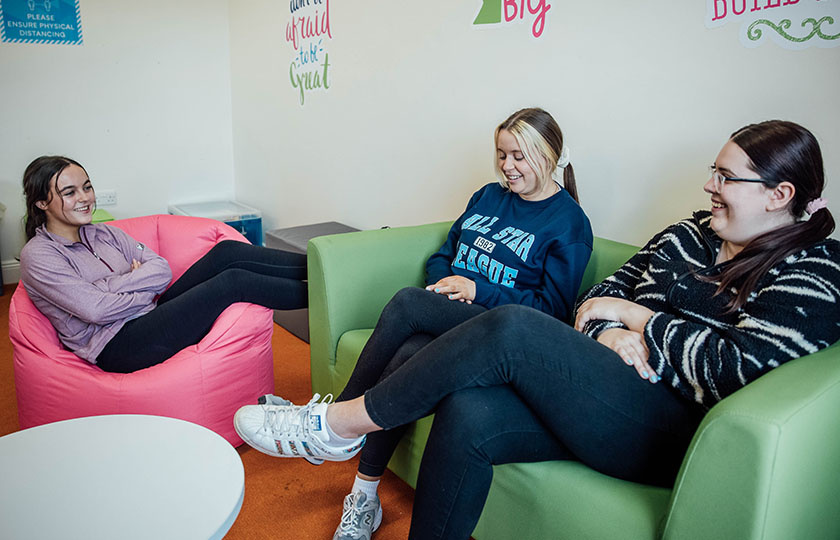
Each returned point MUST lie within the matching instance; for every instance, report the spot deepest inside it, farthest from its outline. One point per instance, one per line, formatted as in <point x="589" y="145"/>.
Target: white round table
<point x="118" y="476"/>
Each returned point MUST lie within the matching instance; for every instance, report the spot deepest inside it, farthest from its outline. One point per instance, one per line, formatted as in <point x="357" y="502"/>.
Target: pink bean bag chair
<point x="205" y="383"/>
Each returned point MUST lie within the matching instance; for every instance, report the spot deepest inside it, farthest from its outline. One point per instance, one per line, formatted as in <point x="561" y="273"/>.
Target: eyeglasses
<point x="719" y="179"/>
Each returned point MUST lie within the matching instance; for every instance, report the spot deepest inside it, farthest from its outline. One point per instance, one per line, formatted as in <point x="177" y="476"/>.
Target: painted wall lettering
<point x="504" y="12"/>
<point x="722" y="8"/>
<point x="792" y="24"/>
<point x="308" y="32"/>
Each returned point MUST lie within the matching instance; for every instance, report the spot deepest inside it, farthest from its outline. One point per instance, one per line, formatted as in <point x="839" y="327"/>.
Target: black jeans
<point x="515" y="385"/>
<point x="409" y="321"/>
<point x="230" y="272"/>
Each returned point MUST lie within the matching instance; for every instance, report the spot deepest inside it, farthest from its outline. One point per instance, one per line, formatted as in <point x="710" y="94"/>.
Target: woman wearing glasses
<point x="707" y="306"/>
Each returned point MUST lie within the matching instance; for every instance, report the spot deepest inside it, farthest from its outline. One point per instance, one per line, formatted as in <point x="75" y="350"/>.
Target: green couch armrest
<point x="607" y="257"/>
<point x="351" y="278"/>
<point x="765" y="461"/>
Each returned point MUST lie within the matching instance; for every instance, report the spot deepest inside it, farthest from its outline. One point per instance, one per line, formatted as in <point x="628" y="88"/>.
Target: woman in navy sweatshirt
<point x="707" y="306"/>
<point x="524" y="240"/>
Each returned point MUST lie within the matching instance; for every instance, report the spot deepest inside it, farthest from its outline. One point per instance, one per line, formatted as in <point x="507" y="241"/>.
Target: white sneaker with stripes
<point x="271" y="399"/>
<point x="294" y="431"/>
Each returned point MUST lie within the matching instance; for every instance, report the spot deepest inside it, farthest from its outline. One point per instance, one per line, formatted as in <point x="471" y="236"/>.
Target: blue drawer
<point x="250" y="229"/>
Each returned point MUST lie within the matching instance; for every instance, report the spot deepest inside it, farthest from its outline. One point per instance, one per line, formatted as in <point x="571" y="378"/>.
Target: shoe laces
<point x="291" y="420"/>
<point x="353" y="504"/>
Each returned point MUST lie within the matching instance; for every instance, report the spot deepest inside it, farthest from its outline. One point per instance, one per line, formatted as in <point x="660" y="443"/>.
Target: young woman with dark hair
<point x="774" y="150"/>
<point x="524" y="240"/>
<point x="514" y="385"/>
<point x="99" y="287"/>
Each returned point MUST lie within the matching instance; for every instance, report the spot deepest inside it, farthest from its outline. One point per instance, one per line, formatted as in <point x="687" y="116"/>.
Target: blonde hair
<point x="541" y="142"/>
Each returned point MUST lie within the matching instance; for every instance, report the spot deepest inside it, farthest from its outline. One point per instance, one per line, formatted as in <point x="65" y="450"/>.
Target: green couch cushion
<point x="565" y="500"/>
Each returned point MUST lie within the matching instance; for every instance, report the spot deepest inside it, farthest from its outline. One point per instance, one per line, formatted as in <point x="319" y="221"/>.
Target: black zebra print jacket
<point x="697" y="349"/>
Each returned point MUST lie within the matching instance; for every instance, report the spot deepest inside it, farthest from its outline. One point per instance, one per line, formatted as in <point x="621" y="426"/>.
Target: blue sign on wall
<point x="40" y="21"/>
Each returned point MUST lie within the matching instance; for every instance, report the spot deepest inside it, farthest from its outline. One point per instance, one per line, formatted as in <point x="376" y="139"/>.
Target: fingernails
<point x="437" y="290"/>
<point x="645" y="375"/>
<point x="654" y="378"/>
<point x="628" y="361"/>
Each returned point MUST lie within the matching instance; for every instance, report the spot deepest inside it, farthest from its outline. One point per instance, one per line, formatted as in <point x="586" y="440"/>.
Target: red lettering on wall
<point x="539" y="10"/>
<point x="720" y="13"/>
<point x="309" y="26"/>
<point x="516" y="10"/>
<point x="508" y="5"/>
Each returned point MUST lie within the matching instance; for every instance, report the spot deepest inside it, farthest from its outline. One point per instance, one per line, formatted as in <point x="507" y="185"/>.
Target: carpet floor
<point x="284" y="498"/>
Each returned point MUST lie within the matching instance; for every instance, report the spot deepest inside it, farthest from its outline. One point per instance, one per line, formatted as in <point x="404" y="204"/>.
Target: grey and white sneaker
<point x="293" y="431"/>
<point x="360" y="518"/>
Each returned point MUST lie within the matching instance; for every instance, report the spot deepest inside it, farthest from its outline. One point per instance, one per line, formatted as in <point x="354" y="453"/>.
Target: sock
<point x="332" y="438"/>
<point x="368" y="487"/>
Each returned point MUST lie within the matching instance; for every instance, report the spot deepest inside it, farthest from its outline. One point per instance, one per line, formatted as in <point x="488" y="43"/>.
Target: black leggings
<point x="514" y="385"/>
<point x="230" y="272"/>
<point x="412" y="318"/>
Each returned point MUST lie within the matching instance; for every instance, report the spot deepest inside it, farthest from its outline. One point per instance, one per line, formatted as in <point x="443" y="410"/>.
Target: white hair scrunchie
<point x="816" y="204"/>
<point x="563" y="160"/>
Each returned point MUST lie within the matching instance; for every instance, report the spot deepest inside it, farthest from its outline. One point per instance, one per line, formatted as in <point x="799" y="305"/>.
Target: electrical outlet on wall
<point x="106" y="197"/>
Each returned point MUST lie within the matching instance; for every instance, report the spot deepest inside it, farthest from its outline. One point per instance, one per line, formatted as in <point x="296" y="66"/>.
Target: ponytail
<point x="569" y="182"/>
<point x="766" y="251"/>
<point x="33" y="220"/>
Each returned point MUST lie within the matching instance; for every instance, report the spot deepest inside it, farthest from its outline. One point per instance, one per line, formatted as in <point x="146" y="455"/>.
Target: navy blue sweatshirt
<point x="516" y="251"/>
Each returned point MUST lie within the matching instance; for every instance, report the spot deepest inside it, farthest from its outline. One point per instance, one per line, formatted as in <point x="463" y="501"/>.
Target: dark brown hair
<point x="36" y="188"/>
<point x="778" y="151"/>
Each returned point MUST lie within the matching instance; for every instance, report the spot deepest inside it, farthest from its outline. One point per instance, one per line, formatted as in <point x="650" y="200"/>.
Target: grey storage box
<point x="295" y="239"/>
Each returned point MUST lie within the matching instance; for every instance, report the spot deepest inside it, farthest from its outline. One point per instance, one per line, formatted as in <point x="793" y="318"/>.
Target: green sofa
<point x="764" y="464"/>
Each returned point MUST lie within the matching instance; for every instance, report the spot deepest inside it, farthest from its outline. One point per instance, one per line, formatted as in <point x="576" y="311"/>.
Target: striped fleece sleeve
<point x="793" y="313"/>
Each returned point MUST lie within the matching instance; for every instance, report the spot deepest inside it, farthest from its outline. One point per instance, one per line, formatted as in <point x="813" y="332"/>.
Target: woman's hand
<point x="455" y="288"/>
<point x="135" y="264"/>
<point x="631" y="347"/>
<point x="607" y="308"/>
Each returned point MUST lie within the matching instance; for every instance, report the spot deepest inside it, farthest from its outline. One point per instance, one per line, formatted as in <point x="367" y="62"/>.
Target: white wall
<point x="645" y="93"/>
<point x="144" y="104"/>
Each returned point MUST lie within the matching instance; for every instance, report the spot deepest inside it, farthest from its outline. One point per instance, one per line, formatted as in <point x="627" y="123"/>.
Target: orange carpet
<point x="284" y="498"/>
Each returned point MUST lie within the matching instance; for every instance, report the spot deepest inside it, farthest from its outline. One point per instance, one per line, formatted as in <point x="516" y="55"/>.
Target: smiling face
<point x="71" y="203"/>
<point x="741" y="211"/>
<point x="520" y="176"/>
